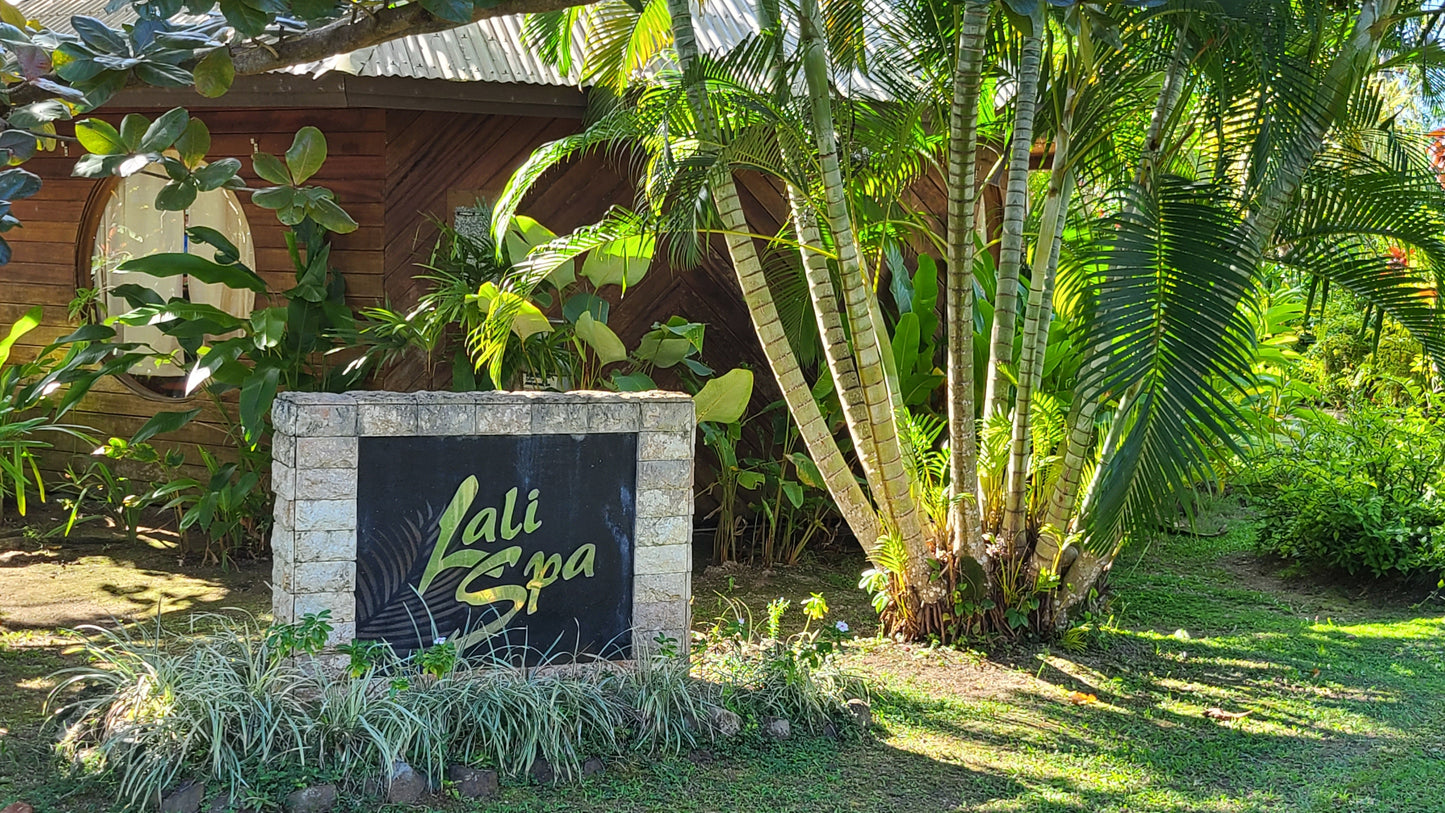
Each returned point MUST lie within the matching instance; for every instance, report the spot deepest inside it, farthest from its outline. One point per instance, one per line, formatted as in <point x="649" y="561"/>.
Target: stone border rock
<point x="314" y="471"/>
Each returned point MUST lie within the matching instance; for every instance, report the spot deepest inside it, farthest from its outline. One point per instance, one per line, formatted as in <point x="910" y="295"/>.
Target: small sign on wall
<point x="511" y="543"/>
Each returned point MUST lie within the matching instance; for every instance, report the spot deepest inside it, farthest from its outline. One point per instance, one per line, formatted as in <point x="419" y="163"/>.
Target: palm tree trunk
<point x="1011" y="247"/>
<point x="852" y="502"/>
<point x="902" y="510"/>
<point x="965" y="519"/>
<point x="837" y="350"/>
<point x="1036" y="327"/>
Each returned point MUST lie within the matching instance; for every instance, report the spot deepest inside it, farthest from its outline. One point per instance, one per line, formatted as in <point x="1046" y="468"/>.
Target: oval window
<point x="131" y="226"/>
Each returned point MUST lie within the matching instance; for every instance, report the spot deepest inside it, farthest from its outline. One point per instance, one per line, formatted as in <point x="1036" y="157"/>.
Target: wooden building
<point x="415" y="128"/>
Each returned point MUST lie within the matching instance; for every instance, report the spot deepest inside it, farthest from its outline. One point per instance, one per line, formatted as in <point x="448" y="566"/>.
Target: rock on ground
<point x="473" y="783"/>
<point x="543" y="772"/>
<point x="407" y="785"/>
<point x="315" y="799"/>
<point x="862" y="713"/>
<point x="186" y="798"/>
<point x="724" y="722"/>
<point x="778" y="728"/>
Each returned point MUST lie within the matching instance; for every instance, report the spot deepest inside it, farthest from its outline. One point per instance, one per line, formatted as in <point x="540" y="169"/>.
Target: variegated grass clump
<point x="229" y="701"/>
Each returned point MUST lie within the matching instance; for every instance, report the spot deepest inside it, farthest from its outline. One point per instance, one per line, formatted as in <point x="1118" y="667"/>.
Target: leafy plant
<point x="1363" y="494"/>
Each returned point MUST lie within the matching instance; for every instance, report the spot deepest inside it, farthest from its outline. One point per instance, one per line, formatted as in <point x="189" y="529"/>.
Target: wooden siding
<point x="45" y="269"/>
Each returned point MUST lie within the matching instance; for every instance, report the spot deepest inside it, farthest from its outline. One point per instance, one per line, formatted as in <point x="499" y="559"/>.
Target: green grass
<point x="1345" y="694"/>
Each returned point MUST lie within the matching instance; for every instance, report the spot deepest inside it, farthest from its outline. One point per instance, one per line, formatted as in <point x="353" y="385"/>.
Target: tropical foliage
<point x="1256" y="140"/>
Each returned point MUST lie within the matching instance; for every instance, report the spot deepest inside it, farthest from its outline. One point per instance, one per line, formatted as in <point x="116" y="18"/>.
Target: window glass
<point x="131" y="226"/>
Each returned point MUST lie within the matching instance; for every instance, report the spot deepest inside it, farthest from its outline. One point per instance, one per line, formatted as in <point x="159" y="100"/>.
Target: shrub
<point x="762" y="673"/>
<point x="229" y="704"/>
<point x="1363" y="494"/>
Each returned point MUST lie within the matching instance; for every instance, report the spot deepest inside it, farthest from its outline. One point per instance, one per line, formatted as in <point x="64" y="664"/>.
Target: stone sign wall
<point x="525" y="524"/>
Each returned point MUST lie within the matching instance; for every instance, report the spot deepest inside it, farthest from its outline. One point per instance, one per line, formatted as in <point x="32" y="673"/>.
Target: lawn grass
<point x="1344" y="689"/>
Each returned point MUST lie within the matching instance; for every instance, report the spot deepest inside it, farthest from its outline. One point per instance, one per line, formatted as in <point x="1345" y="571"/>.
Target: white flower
<point x="439" y="641"/>
<point x="842" y="626"/>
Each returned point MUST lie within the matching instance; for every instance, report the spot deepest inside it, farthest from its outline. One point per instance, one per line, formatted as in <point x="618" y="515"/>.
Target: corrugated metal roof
<point x="486" y="51"/>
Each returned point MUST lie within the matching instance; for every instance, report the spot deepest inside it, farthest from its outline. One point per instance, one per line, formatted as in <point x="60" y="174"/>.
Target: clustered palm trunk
<point x="1024" y="536"/>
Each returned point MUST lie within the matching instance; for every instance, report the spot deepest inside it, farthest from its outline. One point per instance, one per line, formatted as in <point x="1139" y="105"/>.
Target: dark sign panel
<point x="517" y="546"/>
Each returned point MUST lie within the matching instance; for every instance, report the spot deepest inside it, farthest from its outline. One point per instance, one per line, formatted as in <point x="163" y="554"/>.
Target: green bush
<point x="229" y="704"/>
<point x="1363" y="494"/>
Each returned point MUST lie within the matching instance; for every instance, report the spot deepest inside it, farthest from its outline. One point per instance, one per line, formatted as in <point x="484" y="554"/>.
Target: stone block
<point x="559" y="418"/>
<point x="664" y="502"/>
<point x="325" y="546"/>
<point x="341" y="605"/>
<point x="326" y="484"/>
<point x="493" y="418"/>
<point x="386" y="414"/>
<point x="283" y="480"/>
<point x="283" y="515"/>
<point x="663" y="587"/>
<point x="325" y="515"/>
<point x="613" y="417"/>
<point x="664" y="474"/>
<point x="283" y="448"/>
<point x="658" y="559"/>
<point x="668" y="416"/>
<point x="650" y="618"/>
<point x="314" y="414"/>
<point x="324" y="577"/>
<point x="282" y="605"/>
<point x="326" y="453"/>
<point x="446" y="413"/>
<point x="665" y="446"/>
<point x="671" y="530"/>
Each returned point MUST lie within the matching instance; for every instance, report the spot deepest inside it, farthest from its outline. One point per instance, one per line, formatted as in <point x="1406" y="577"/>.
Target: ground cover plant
<point x="1340" y="691"/>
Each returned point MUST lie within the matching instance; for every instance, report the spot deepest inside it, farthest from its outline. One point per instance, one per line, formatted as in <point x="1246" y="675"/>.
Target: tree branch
<point x="346" y="35"/>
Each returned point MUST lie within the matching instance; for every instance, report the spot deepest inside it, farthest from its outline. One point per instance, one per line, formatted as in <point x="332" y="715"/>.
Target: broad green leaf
<point x="307" y="154"/>
<point x="526" y="234"/>
<point x="331" y="217"/>
<point x="165" y="130"/>
<point x="270" y="168"/>
<point x="26" y="323"/>
<point x="585" y="302"/>
<point x="600" y="338"/>
<point x="723" y="399"/>
<point x="99" y="137"/>
<point x="16" y="183"/>
<point x="905" y="343"/>
<point x="132" y="129"/>
<point x="194" y="143"/>
<point x="163" y="423"/>
<point x="662" y="349"/>
<point x="529" y="320"/>
<point x="807" y="470"/>
<point x="632" y="382"/>
<point x="257" y="394"/>
<point x="226" y="251"/>
<point x="750" y="480"/>
<point x="176" y="196"/>
<point x="620" y="262"/>
<point x="215" y="174"/>
<point x="215" y="73"/>
<point x="170" y="265"/>
<point x="274" y="197"/>
<point x="794" y="492"/>
<point x="268" y="326"/>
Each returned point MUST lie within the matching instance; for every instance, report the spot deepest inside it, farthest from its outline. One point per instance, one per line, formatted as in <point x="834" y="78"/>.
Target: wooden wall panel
<point x="45" y="268"/>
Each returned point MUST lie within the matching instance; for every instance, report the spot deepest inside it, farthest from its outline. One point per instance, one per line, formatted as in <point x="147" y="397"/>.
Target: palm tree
<point x="1198" y="140"/>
